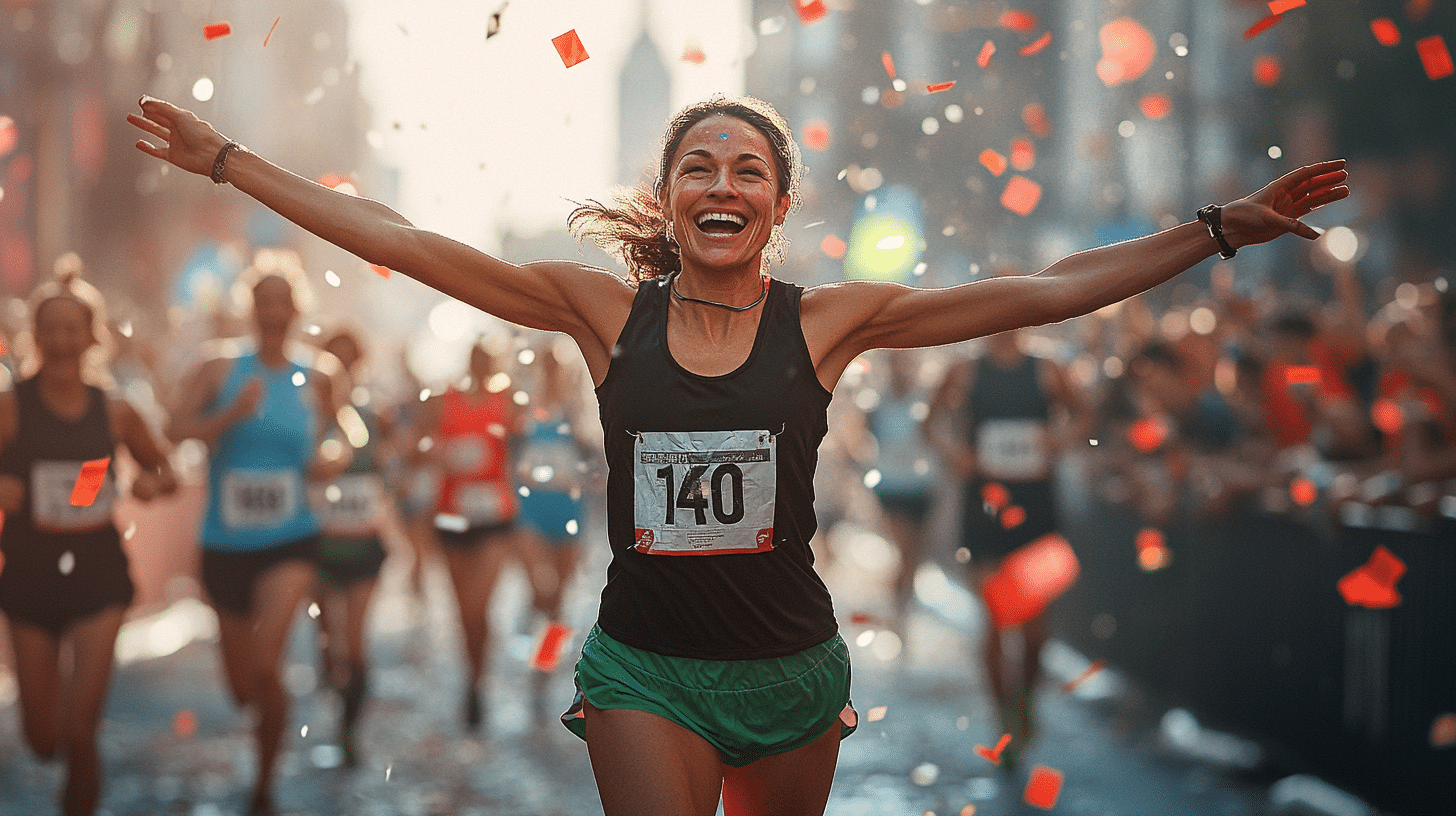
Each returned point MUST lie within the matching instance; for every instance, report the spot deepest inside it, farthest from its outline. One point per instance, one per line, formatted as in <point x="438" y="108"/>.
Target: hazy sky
<point x="500" y="134"/>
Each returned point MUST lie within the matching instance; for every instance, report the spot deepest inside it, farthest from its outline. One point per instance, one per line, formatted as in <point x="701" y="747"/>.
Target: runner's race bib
<point x="484" y="504"/>
<point x="51" y="483"/>
<point x="1013" y="449"/>
<point x="704" y="492"/>
<point x="468" y="453"/>
<point x="349" y="505"/>
<point x="259" y="499"/>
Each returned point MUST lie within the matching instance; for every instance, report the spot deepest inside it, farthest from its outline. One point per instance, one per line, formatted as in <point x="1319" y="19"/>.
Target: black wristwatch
<point x="1212" y="217"/>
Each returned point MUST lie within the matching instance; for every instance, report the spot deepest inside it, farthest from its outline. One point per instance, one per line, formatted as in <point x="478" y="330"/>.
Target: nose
<point x="723" y="183"/>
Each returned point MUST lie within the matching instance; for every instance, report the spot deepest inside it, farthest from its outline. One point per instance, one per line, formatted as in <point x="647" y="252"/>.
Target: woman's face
<point x="721" y="194"/>
<point x="62" y="330"/>
<point x="273" y="309"/>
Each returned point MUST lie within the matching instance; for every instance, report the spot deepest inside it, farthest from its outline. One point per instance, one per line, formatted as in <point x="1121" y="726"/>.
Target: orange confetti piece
<point x="968" y="810"/>
<point x="1043" y="788"/>
<point x="993" y="755"/>
<point x="1267" y="70"/>
<point x="381" y="271"/>
<point x="1297" y="374"/>
<point x="1263" y="25"/>
<point x="833" y="246"/>
<point x="1013" y="517"/>
<point x="1156" y="105"/>
<point x="1387" y="416"/>
<point x="810" y="11"/>
<point x="848" y="716"/>
<point x="1152" y="550"/>
<point x="693" y="53"/>
<point x="270" y="30"/>
<point x="876" y="714"/>
<point x="1372" y="585"/>
<point x="993" y="161"/>
<point x="1018" y="20"/>
<point x="1281" y="6"/>
<point x="995" y="495"/>
<point x="1435" y="57"/>
<point x="184" y="724"/>
<point x="1147" y="434"/>
<point x="984" y="58"/>
<point x="817" y="134"/>
<point x="1303" y="491"/>
<point x="1443" y="731"/>
<point x="1385" y="31"/>
<point x="88" y="484"/>
<point x="1035" y="117"/>
<point x="548" y="651"/>
<point x="1035" y="46"/>
<point x="889" y="63"/>
<point x="569" y="46"/>
<point x="1128" y="50"/>
<point x="863" y="618"/>
<point x="1097" y="665"/>
<point x="1021" y="195"/>
<point x="940" y="86"/>
<point x="214" y="30"/>
<point x="1029" y="579"/>
<point x="1023" y="153"/>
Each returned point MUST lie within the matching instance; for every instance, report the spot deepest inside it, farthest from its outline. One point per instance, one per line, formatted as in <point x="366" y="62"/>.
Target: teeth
<point x="729" y="217"/>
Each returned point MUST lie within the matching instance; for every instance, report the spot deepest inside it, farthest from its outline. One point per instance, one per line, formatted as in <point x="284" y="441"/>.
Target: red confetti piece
<point x="1298" y="374"/>
<point x="993" y="161"/>
<point x="1128" y="51"/>
<point x="995" y="495"/>
<point x="1385" y="31"/>
<point x="1023" y="153"/>
<point x="984" y="58"/>
<point x="184" y="724"/>
<point x="1036" y="45"/>
<point x="1156" y="105"/>
<point x="810" y="11"/>
<point x="817" y="134"/>
<point x="876" y="714"/>
<point x="1281" y="6"/>
<point x="569" y="46"/>
<point x="1387" y="416"/>
<point x="1147" y="434"/>
<point x="1303" y="491"/>
<point x="1021" y="195"/>
<point x="381" y="271"/>
<point x="1043" y="788"/>
<point x="1035" y="117"/>
<point x="1097" y="665"/>
<point x="1435" y="57"/>
<point x="1152" y="550"/>
<point x="548" y="650"/>
<point x="1263" y="25"/>
<point x="1443" y="731"/>
<point x="214" y="30"/>
<point x="1029" y="579"/>
<point x="832" y="246"/>
<point x="889" y="63"/>
<point x="270" y="30"/>
<point x="1018" y="20"/>
<point x="1372" y="584"/>
<point x="88" y="484"/>
<point x="1267" y="70"/>
<point x="848" y="716"/>
<point x="1013" y="517"/>
<point x="693" y="53"/>
<point x="863" y="618"/>
<point x="993" y="755"/>
<point x="940" y="86"/>
<point x="1150" y="538"/>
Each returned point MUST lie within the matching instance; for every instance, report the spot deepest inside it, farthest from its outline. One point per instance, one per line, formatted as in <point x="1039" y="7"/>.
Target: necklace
<point x="672" y="284"/>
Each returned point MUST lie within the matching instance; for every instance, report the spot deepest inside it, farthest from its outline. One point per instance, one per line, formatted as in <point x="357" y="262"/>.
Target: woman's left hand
<point x="1277" y="208"/>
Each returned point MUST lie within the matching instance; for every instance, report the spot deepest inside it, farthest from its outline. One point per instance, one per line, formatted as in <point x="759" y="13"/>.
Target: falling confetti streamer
<point x="270" y="30"/>
<point x="1301" y="374"/>
<point x="569" y="46"/>
<point x="214" y="30"/>
<point x="1029" y="579"/>
<point x="1281" y="6"/>
<point x="1043" y="788"/>
<point x="1435" y="57"/>
<point x="889" y="63"/>
<point x="993" y="755"/>
<point x="993" y="161"/>
<point x="940" y="86"/>
<point x="1097" y="665"/>
<point x="984" y="58"/>
<point x="1263" y="25"/>
<point x="810" y="11"/>
<point x="1372" y="585"/>
<point x="88" y="483"/>
<point x="1021" y="195"/>
<point x="1035" y="46"/>
<point x="1018" y="20"/>
<point x="1385" y="31"/>
<point x="548" y="651"/>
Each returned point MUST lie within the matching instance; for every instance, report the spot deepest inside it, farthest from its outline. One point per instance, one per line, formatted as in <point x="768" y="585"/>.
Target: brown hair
<point x="633" y="229"/>
<point x="68" y="285"/>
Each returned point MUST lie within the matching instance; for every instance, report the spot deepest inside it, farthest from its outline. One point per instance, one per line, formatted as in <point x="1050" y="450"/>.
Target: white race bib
<point x="1013" y="449"/>
<point x="51" y="483"/>
<point x="349" y="505"/>
<point x="483" y="504"/>
<point x="704" y="492"/>
<point x="468" y="453"/>
<point x="259" y="499"/>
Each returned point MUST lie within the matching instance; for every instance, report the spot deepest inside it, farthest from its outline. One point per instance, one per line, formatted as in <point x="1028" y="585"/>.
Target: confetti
<point x="863" y="619"/>
<point x="810" y="11"/>
<point x="1013" y="517"/>
<point x="1385" y="31"/>
<point x="548" y="650"/>
<point x="1267" y="70"/>
<point x="692" y="52"/>
<point x="876" y="714"/>
<point x="1303" y="492"/>
<point x="1443" y="731"/>
<point x="214" y="30"/>
<point x="1029" y="579"/>
<point x="270" y="30"/>
<point x="1372" y="584"/>
<point x="1043" y="788"/>
<point x="1435" y="57"/>
<point x="1156" y="105"/>
<point x="833" y="246"/>
<point x="817" y="135"/>
<point x="569" y="46"/>
<point x="381" y="271"/>
<point x="184" y="723"/>
<point x="88" y="484"/>
<point x="1281" y="6"/>
<point x="1018" y="20"/>
<point x="1023" y="153"/>
<point x="848" y="716"/>
<point x="493" y="24"/>
<point x="940" y="86"/>
<point x="1034" y="115"/>
<point x="993" y="755"/>
<point x="993" y="161"/>
<point x="889" y="63"/>
<point x="1263" y="25"/>
<point x="1035" y="46"/>
<point x="1152" y="550"/>
<point x="1387" y="416"/>
<point x="1128" y="51"/>
<point x="995" y="495"/>
<point x="1097" y="665"/>
<point x="984" y="58"/>
<point x="1147" y="434"/>
<point x="1021" y="195"/>
<point x="1300" y="374"/>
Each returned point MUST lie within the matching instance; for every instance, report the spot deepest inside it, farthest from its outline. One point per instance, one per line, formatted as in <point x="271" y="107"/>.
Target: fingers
<point x="149" y="126"/>
<point x="1300" y="228"/>
<point x="147" y="148"/>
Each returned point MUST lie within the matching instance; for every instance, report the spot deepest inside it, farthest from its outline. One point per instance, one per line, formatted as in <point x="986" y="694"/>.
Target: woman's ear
<point x="781" y="209"/>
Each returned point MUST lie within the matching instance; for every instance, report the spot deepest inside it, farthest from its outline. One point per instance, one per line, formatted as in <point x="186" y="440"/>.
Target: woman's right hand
<point x="186" y="141"/>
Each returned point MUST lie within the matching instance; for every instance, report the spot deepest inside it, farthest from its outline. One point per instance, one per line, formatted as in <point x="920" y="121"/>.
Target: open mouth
<point x="716" y="223"/>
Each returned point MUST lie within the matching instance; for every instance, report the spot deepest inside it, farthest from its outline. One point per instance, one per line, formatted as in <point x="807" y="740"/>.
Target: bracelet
<point x="219" y="163"/>
<point x="1212" y="216"/>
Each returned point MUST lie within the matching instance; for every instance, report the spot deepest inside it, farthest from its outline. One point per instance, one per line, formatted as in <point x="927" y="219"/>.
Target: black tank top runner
<point x="740" y="606"/>
<point x="1006" y="393"/>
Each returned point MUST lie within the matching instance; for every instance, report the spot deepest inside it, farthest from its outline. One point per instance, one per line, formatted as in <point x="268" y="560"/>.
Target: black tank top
<point x="1007" y="411"/>
<point x="1007" y="393"/>
<point x="676" y="479"/>
<point x="46" y="455"/>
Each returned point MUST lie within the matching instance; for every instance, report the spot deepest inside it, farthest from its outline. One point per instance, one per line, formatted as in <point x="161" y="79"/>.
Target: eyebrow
<point x="741" y="156"/>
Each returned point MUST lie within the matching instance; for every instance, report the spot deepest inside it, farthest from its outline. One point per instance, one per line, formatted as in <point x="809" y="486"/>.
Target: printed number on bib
<point x="1012" y="449"/>
<point x="704" y="492"/>
<point x="348" y="506"/>
<point x="484" y="504"/>
<point x="51" y="510"/>
<point x="259" y="499"/>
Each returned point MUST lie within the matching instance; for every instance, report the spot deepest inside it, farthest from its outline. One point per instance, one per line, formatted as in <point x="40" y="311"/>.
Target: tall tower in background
<point x="644" y="91"/>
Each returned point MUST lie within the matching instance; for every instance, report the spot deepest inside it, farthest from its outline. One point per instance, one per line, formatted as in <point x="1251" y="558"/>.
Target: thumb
<point x="1300" y="228"/>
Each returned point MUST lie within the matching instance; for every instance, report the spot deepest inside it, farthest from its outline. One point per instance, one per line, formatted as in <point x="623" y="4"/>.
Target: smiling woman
<point x="716" y="667"/>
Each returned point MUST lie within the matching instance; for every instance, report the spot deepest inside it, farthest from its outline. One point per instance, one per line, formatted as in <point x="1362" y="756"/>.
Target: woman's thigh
<point x="646" y="765"/>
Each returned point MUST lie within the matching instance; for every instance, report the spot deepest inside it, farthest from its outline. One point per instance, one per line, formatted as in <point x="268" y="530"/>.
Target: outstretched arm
<point x="587" y="303"/>
<point x="843" y="320"/>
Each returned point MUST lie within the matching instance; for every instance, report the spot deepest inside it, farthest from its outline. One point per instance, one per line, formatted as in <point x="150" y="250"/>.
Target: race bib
<point x="483" y="504"/>
<point x="704" y="492"/>
<point x="51" y="483"/>
<point x="549" y="465"/>
<point x="1012" y="449"/>
<point x="259" y="499"/>
<point x="469" y="453"/>
<point x="348" y="506"/>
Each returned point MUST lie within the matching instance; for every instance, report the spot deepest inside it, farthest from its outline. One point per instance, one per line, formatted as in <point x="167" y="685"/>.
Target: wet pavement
<point x="174" y="744"/>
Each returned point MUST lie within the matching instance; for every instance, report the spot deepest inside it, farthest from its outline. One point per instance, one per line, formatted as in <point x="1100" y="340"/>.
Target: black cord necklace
<point x="672" y="284"/>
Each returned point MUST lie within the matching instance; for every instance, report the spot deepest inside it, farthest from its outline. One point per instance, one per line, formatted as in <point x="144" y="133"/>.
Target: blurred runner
<point x="64" y="584"/>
